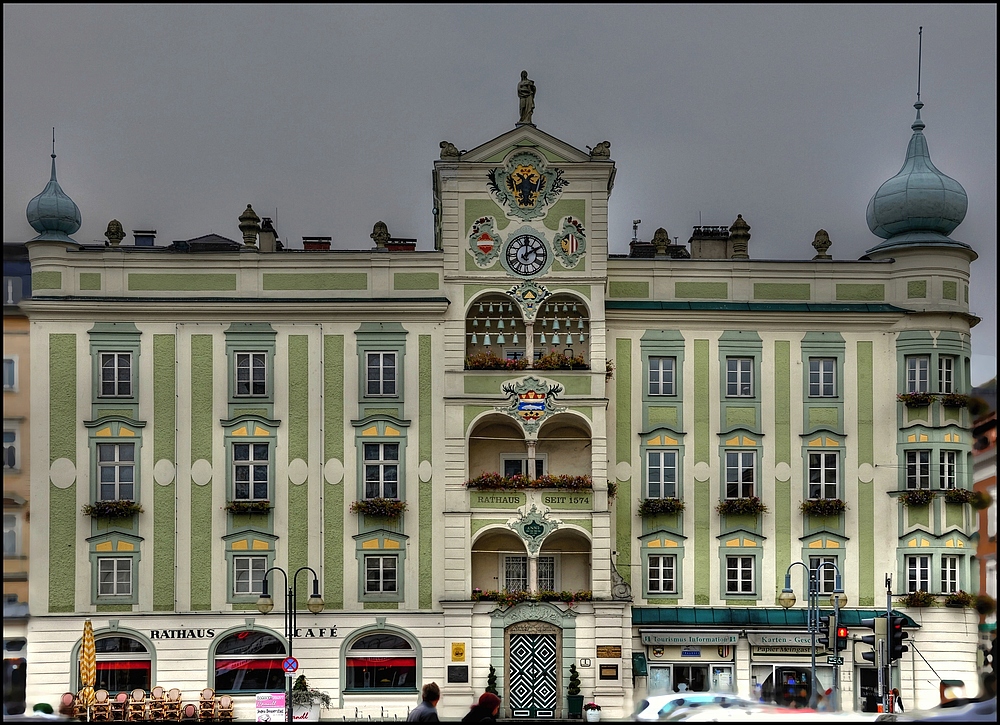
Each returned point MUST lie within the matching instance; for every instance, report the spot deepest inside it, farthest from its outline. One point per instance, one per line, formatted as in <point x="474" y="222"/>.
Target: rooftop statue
<point x="526" y="98"/>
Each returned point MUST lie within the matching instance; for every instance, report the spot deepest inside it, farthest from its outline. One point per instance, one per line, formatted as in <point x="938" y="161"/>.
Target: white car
<point x="661" y="707"/>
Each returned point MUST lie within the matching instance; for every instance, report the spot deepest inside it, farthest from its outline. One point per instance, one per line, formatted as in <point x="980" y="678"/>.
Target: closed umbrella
<point x="88" y="666"/>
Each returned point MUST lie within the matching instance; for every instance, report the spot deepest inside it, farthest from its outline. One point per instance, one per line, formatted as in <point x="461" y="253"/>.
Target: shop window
<point x="381" y="470"/>
<point x="116" y="471"/>
<point x="381" y="373"/>
<point x="123" y="664"/>
<point x="662" y="375"/>
<point x="249" y="662"/>
<point x="949" y="574"/>
<point x="918" y="573"/>
<point x="661" y="474"/>
<point x="740" y="578"/>
<point x="822" y="377"/>
<point x="741" y="474"/>
<point x="789" y="685"/>
<point x="918" y="371"/>
<point x="251" y="374"/>
<point x="739" y="377"/>
<point x="918" y="469"/>
<point x="116" y="375"/>
<point x="382" y="661"/>
<point x="823" y="474"/>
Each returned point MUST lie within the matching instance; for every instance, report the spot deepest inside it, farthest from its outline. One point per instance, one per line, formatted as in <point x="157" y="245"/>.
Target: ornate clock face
<point x="526" y="255"/>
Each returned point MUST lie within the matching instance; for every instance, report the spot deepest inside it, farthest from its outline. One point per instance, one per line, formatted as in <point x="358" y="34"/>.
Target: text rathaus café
<point x="514" y="450"/>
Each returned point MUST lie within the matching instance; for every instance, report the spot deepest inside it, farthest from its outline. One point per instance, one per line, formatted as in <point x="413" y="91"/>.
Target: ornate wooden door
<point x="533" y="667"/>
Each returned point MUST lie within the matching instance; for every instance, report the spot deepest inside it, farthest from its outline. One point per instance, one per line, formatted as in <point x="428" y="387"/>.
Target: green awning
<point x="730" y="617"/>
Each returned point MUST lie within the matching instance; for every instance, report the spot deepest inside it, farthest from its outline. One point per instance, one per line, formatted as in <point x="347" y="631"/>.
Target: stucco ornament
<point x="531" y="400"/>
<point x="571" y="242"/>
<point x="601" y="150"/>
<point x="449" y="150"/>
<point x="620" y="589"/>
<point x="380" y="234"/>
<point x="249" y="226"/>
<point x="529" y="296"/>
<point x="533" y="615"/>
<point x="533" y="527"/>
<point x="821" y="243"/>
<point x="484" y="242"/>
<point x="115" y="233"/>
<point x="525" y="186"/>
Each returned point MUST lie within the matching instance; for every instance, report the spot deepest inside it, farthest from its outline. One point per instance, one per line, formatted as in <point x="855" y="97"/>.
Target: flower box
<point x="918" y="598"/>
<point x="823" y="507"/>
<point x="248" y="507"/>
<point x="119" y="509"/>
<point x="497" y="482"/>
<point x="491" y="361"/>
<point x="916" y="400"/>
<point x="956" y="400"/>
<point x="976" y="499"/>
<point x="558" y="361"/>
<point x="507" y="598"/>
<point x="960" y="600"/>
<point x="917" y="497"/>
<point x="660" y="506"/>
<point x="389" y="508"/>
<point x="748" y="506"/>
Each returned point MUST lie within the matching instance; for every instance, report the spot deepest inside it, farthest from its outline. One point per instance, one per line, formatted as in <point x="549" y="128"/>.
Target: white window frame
<point x="918" y="469"/>
<point x="14" y="529"/>
<point x="255" y="364"/>
<point x="661" y="468"/>
<point x="822" y="377"/>
<point x="948" y="469"/>
<point x="10" y="362"/>
<point x="918" y="573"/>
<point x="739" y="377"/>
<point x="379" y="564"/>
<point x="736" y="464"/>
<point x="946" y="373"/>
<point x="122" y="388"/>
<point x="949" y="575"/>
<point x="248" y="575"/>
<point x="119" y="586"/>
<point x="514" y="581"/>
<point x="381" y="362"/>
<point x="541" y="463"/>
<point x="661" y="574"/>
<point x="117" y="465"/>
<point x="824" y="474"/>
<point x="380" y="465"/>
<point x="737" y="568"/>
<point x="918" y="374"/>
<point x="13" y="448"/>
<point x="826" y="575"/>
<point x="253" y="465"/>
<point x="662" y="375"/>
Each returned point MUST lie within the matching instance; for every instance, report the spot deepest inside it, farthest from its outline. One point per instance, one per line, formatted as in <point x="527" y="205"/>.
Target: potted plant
<point x="919" y="598"/>
<point x="917" y="497"/>
<point x="592" y="711"/>
<point x="574" y="700"/>
<point x="823" y="507"/>
<point x="747" y="506"/>
<point x="916" y="400"/>
<point x="960" y="600"/>
<point x="118" y="509"/>
<point x="491" y="681"/>
<point x="660" y="506"/>
<point x="306" y="701"/>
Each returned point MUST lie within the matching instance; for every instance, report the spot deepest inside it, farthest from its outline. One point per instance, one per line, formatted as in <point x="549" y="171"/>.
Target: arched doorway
<point x="532" y="652"/>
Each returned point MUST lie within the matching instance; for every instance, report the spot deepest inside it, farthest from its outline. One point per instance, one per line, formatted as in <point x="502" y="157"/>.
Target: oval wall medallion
<point x="333" y="471"/>
<point x="298" y="471"/>
<point x="782" y="471"/>
<point x="623" y="471"/>
<point x="62" y="473"/>
<point x="425" y="470"/>
<point x="164" y="472"/>
<point x="702" y="471"/>
<point x="201" y="472"/>
<point x="866" y="473"/>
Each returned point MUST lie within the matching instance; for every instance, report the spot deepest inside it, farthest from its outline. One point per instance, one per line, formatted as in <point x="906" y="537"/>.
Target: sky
<point x="328" y="118"/>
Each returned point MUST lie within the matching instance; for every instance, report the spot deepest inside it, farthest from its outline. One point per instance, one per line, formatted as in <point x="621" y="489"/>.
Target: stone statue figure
<point x="449" y="150"/>
<point x="601" y="150"/>
<point x="526" y="97"/>
<point x="115" y="233"/>
<point x="380" y="234"/>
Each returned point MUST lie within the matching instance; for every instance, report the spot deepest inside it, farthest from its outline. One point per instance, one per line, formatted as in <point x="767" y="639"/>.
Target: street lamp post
<point x="315" y="605"/>
<point x="838" y="599"/>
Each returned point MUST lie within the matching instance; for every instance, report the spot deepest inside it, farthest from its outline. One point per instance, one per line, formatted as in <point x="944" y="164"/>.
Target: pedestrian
<point x="897" y="701"/>
<point x="426" y="711"/>
<point x="485" y="710"/>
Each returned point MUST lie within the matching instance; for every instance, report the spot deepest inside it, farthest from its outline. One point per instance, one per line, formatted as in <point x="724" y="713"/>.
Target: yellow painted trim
<point x="104" y="546"/>
<point x="653" y="441"/>
<point x="259" y="545"/>
<point x="912" y="543"/>
<point x="104" y="432"/>
<point x="749" y="441"/>
<point x="390" y="544"/>
<point x="815" y="545"/>
<point x="960" y="544"/>
<point x="126" y="546"/>
<point x="949" y="543"/>
<point x="733" y="441"/>
<point x="925" y="542"/>
<point x="668" y="441"/>
<point x="258" y="431"/>
<point x="733" y="542"/>
<point x="373" y="431"/>
<point x="815" y="443"/>
<point x="923" y="438"/>
<point x="749" y="542"/>
<point x="654" y="544"/>
<point x="126" y="432"/>
<point x="370" y="544"/>
<point x="241" y="431"/>
<point x="240" y="545"/>
<point x="669" y="543"/>
<point x="831" y="442"/>
<point x="832" y="544"/>
<point x="390" y="431"/>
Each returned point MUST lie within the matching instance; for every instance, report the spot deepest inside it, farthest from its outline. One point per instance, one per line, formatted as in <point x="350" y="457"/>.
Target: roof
<point x="745" y="617"/>
<point x="753" y="306"/>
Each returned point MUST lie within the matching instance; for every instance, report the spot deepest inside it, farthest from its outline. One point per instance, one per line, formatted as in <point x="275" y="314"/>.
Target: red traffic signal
<point x="841" y="639"/>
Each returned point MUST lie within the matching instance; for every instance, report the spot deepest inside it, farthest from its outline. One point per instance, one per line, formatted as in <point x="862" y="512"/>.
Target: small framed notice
<point x="609" y="672"/>
<point x="458" y="673"/>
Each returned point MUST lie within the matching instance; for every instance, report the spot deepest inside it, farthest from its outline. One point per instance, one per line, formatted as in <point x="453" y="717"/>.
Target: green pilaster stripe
<point x="62" y="548"/>
<point x="782" y="402"/>
<point x="623" y="453"/>
<point x="298" y="538"/>
<point x="333" y="447"/>
<point x="164" y="425"/>
<point x="782" y="531"/>
<point x="702" y="385"/>
<point x="866" y="404"/>
<point x="702" y="545"/>
<point x="298" y="448"/>
<point x="426" y="503"/>
<point x="202" y="389"/>
<point x="866" y="544"/>
<point x="62" y="397"/>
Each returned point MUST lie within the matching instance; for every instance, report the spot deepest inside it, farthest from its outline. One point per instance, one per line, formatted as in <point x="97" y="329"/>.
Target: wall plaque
<point x="458" y="673"/>
<point x="609" y="672"/>
<point x="609" y="651"/>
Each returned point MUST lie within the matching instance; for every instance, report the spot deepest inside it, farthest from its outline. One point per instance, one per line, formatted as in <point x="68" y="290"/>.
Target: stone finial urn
<point x="249" y="226"/>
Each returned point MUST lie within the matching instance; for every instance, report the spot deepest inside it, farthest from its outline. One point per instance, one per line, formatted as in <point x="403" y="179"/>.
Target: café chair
<point x="225" y="711"/>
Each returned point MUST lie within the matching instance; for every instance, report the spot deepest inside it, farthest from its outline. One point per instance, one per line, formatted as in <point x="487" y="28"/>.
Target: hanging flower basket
<point x="497" y="482"/>
<point x="389" y="508"/>
<point x="248" y="507"/>
<point x="120" y="509"/>
<point x="491" y="361"/>
<point x="748" y="506"/>
<point x="917" y="497"/>
<point x="917" y="599"/>
<point x="916" y="400"/>
<point x="960" y="600"/>
<point x="956" y="400"/>
<point x="660" y="506"/>
<point x="823" y="507"/>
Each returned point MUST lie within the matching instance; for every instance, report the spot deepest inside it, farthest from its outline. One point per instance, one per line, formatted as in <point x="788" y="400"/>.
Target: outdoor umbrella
<point x="88" y="666"/>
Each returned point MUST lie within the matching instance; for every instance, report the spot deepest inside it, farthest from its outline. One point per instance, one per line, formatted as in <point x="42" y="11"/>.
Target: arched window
<point x="123" y="664"/>
<point x="249" y="661"/>
<point x="382" y="661"/>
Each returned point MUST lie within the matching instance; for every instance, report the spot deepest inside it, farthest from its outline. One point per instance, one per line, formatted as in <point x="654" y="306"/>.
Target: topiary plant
<point x="491" y="681"/>
<point x="573" y="688"/>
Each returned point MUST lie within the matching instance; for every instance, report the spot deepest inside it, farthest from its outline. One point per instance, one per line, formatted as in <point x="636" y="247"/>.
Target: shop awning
<point x="746" y="617"/>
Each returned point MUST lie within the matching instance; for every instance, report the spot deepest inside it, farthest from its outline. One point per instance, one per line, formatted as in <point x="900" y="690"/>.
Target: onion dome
<point x="52" y="213"/>
<point x="919" y="206"/>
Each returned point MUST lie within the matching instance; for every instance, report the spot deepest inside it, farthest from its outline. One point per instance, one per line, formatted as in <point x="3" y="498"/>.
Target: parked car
<point x="658" y="708"/>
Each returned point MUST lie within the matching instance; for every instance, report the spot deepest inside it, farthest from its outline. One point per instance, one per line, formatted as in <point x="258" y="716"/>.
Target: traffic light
<point x="896" y="637"/>
<point x="827" y="634"/>
<point x="876" y="640"/>
<point x="841" y="638"/>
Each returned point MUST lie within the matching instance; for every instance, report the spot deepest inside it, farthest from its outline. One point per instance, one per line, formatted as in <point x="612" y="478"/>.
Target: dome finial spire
<point x="918" y="124"/>
<point x="52" y="213"/>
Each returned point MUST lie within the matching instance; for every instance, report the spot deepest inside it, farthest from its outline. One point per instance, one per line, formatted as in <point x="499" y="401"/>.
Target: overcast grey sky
<point x="176" y="117"/>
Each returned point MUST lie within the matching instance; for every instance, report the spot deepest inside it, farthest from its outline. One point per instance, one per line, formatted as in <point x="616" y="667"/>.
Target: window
<point x="381" y="470"/>
<point x="827" y="575"/>
<point x="547" y="573"/>
<point x="822" y="377"/>
<point x="661" y="474"/>
<point x="739" y="377"/>
<point x="11" y="450"/>
<point x="513" y="354"/>
<point x="114" y="577"/>
<point x="949" y="574"/>
<point x="662" y="575"/>
<point x="662" y="375"/>
<point x="740" y="575"/>
<point x="248" y="574"/>
<point x="515" y="573"/>
<point x="918" y="573"/>
<point x="823" y="470"/>
<point x="116" y="375"/>
<point x="515" y="465"/>
<point x="116" y="471"/>
<point x="918" y="469"/>
<point x="948" y="469"/>
<point x="251" y="374"/>
<point x="11" y="534"/>
<point x="741" y="474"/>
<point x="250" y="471"/>
<point x="380" y="574"/>
<point x="946" y="374"/>
<point x="9" y="373"/>
<point x="123" y="664"/>
<point x="918" y="374"/>
<point x="249" y="662"/>
<point x="381" y="375"/>
<point x="381" y="661"/>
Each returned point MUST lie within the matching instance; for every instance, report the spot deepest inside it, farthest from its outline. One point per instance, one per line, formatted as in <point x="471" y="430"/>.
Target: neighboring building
<point x="267" y="407"/>
<point x="984" y="457"/>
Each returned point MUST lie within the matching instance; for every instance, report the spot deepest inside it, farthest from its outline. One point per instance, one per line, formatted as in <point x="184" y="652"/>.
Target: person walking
<point x="426" y="711"/>
<point x="485" y="710"/>
<point x="897" y="701"/>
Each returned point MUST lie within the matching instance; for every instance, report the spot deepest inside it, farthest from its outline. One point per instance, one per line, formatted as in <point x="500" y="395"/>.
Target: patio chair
<point x="225" y="711"/>
<point x="157" y="701"/>
<point x="190" y="712"/>
<point x="118" y="705"/>
<point x="206" y="705"/>
<point x="172" y="705"/>
<point x="100" y="708"/>
<point x="136" y="709"/>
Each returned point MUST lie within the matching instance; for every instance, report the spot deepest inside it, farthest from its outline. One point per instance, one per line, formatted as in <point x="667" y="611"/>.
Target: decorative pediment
<point x="551" y="148"/>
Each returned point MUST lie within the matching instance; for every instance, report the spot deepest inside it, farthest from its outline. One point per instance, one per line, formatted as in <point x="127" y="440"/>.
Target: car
<point x="963" y="710"/>
<point x="658" y="708"/>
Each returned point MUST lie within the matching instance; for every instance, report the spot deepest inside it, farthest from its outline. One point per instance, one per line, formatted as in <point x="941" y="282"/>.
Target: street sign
<point x="831" y="660"/>
<point x="289" y="665"/>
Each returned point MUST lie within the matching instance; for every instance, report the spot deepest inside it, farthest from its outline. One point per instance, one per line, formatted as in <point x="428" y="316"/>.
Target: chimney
<point x="708" y="242"/>
<point x="144" y="238"/>
<point x="316" y="244"/>
<point x="268" y="236"/>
